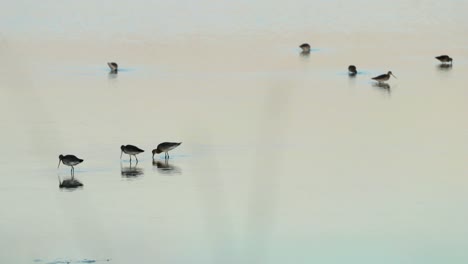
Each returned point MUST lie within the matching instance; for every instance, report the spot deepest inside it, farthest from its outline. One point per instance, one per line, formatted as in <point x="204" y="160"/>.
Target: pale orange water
<point x="285" y="159"/>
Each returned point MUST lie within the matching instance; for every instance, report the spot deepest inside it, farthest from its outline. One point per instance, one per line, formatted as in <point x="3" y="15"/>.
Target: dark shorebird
<point x="113" y="66"/>
<point x="383" y="77"/>
<point x="444" y="59"/>
<point x="131" y="151"/>
<point x="305" y="48"/>
<point x="70" y="160"/>
<point x="165" y="147"/>
<point x="352" y="70"/>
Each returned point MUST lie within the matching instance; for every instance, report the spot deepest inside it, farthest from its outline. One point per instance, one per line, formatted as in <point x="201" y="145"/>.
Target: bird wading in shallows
<point x="113" y="66"/>
<point x="131" y="151"/>
<point x="305" y="48"/>
<point x="384" y="77"/>
<point x="165" y="147"/>
<point x="69" y="160"/>
<point x="352" y="70"/>
<point x="444" y="59"/>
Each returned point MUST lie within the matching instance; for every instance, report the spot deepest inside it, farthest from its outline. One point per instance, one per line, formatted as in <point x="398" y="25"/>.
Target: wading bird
<point x="444" y="59"/>
<point x="131" y="151"/>
<point x="165" y="147"/>
<point x="113" y="66"/>
<point x="352" y="70"/>
<point x="69" y="160"/>
<point x="305" y="48"/>
<point x="384" y="77"/>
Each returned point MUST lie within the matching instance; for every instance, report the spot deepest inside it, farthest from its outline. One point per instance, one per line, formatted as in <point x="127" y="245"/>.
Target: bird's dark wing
<point x="379" y="77"/>
<point x="133" y="148"/>
<point x="72" y="158"/>
<point x="168" y="144"/>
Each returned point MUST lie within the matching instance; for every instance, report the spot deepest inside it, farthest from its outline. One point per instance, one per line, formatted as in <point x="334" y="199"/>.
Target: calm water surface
<point x="285" y="159"/>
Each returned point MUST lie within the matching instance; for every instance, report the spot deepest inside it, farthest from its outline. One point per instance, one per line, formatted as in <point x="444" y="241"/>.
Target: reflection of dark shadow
<point x="304" y="54"/>
<point x="383" y="86"/>
<point x="352" y="74"/>
<point x="165" y="168"/>
<point x="130" y="171"/>
<point x="112" y="75"/>
<point x="352" y="79"/>
<point x="444" y="67"/>
<point x="71" y="183"/>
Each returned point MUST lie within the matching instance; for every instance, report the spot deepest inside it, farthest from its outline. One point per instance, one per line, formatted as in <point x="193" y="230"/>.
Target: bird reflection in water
<point x="71" y="183"/>
<point x="165" y="168"/>
<point x="131" y="171"/>
<point x="383" y="86"/>
<point x="304" y="54"/>
<point x="112" y="75"/>
<point x="444" y="67"/>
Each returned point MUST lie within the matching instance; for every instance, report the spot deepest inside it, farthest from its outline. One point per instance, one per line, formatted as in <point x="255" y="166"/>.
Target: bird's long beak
<point x="121" y="153"/>
<point x="59" y="163"/>
<point x="394" y="76"/>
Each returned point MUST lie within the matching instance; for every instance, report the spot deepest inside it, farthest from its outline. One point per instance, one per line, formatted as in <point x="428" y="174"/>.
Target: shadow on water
<point x="352" y="79"/>
<point x="304" y="54"/>
<point x="112" y="75"/>
<point x="444" y="67"/>
<point x="385" y="87"/>
<point x="130" y="171"/>
<point x="70" y="184"/>
<point x="165" y="168"/>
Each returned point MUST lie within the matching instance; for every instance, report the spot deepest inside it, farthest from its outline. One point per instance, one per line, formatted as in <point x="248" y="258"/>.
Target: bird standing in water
<point x="131" y="151"/>
<point x="165" y="147"/>
<point x="305" y="48"/>
<point x="444" y="59"/>
<point x="352" y="70"/>
<point x="69" y="160"/>
<point x="384" y="77"/>
<point x="113" y="66"/>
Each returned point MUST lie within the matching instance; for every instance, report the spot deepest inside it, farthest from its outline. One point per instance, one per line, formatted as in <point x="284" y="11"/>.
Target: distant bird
<point x="352" y="70"/>
<point x="444" y="59"/>
<point x="165" y="147"/>
<point x="383" y="77"/>
<point x="113" y="66"/>
<point x="131" y="151"/>
<point x="305" y="48"/>
<point x="69" y="160"/>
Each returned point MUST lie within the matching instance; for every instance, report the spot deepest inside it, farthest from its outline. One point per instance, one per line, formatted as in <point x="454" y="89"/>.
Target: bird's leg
<point x="168" y="155"/>
<point x="136" y="158"/>
<point x="130" y="158"/>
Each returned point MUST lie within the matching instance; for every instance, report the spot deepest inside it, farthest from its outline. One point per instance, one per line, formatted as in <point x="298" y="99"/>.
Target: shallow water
<point x="284" y="157"/>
